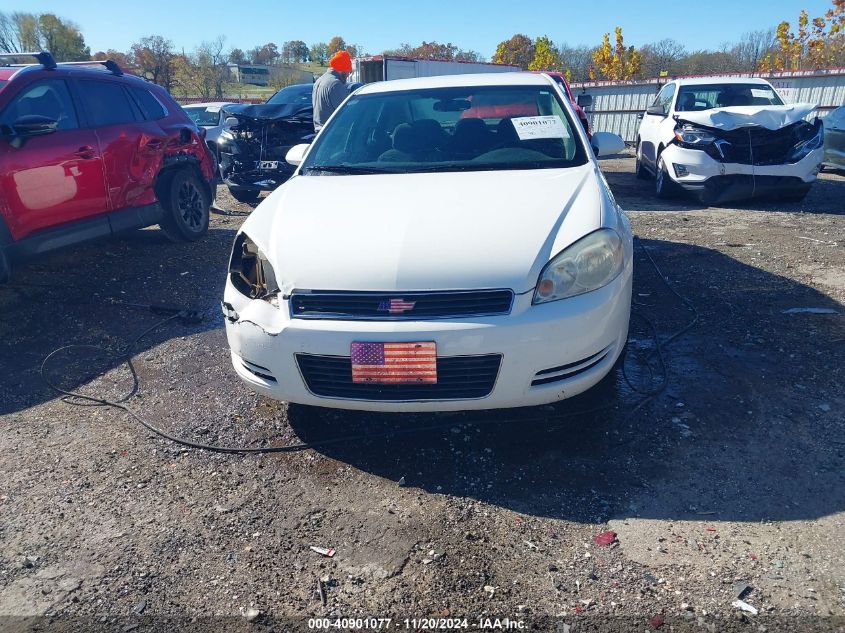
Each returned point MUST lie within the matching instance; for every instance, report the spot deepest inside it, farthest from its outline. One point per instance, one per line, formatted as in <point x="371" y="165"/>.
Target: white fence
<point x="617" y="103"/>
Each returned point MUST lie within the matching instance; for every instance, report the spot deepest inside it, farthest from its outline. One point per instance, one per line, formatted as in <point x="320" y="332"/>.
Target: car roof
<point x="696" y="81"/>
<point x="456" y="81"/>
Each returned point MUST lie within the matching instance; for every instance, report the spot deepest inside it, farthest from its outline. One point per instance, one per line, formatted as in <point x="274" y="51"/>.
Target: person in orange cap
<point x="330" y="89"/>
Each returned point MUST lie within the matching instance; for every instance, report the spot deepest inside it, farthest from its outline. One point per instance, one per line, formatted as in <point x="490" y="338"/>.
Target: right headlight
<point x="250" y="271"/>
<point x="589" y="264"/>
<point x="693" y="137"/>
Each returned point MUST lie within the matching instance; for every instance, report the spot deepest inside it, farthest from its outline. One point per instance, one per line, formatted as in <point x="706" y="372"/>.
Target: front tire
<point x="639" y="167"/>
<point x="186" y="207"/>
<point x="664" y="186"/>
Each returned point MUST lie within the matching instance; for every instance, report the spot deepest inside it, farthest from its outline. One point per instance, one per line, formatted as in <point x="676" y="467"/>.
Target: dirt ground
<point x="734" y="474"/>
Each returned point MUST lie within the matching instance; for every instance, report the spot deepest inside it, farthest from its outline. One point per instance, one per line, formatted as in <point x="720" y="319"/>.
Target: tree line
<point x="204" y="72"/>
<point x="817" y="43"/>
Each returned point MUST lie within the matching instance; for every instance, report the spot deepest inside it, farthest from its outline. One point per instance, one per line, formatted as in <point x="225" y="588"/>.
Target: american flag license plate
<point x="394" y="363"/>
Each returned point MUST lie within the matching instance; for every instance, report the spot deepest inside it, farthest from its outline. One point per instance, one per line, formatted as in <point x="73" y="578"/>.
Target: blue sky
<point x="379" y="24"/>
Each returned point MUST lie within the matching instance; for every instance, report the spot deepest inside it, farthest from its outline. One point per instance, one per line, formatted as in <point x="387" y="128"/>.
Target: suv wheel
<point x="639" y="168"/>
<point x="186" y="207"/>
<point x="244" y="195"/>
<point x="664" y="187"/>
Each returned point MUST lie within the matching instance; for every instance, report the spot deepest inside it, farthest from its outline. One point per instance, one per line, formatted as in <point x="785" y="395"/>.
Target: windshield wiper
<point x="344" y="169"/>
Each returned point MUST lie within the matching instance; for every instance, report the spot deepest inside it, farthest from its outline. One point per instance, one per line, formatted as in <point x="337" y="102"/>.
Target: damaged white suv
<point x="728" y="138"/>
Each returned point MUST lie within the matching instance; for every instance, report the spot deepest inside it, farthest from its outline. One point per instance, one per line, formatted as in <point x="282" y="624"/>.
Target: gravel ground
<point x="733" y="474"/>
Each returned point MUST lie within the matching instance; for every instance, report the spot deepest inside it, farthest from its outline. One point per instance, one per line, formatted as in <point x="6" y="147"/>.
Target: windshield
<point x="204" y="116"/>
<point x="3" y="82"/>
<point x="708" y="96"/>
<point x="448" y="129"/>
<point x="293" y="94"/>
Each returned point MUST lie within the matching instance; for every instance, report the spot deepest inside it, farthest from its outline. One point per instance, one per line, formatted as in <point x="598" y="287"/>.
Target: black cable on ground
<point x="80" y="399"/>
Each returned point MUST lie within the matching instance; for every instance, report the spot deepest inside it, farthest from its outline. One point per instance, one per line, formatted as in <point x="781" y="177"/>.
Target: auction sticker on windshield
<point x="532" y="127"/>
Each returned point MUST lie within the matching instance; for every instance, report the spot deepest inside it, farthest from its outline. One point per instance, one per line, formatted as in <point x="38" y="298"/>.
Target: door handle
<point x="86" y="151"/>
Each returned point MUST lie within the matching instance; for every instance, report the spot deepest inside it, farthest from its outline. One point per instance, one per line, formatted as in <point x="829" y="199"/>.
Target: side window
<point x="49" y="98"/>
<point x="150" y="106"/>
<point x="666" y="101"/>
<point x="106" y="103"/>
<point x="664" y="98"/>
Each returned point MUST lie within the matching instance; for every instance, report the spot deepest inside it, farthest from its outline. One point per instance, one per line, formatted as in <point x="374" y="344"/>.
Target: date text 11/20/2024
<point x="416" y="624"/>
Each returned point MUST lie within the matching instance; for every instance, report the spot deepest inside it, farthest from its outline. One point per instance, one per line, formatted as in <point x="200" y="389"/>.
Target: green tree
<point x="518" y="50"/>
<point x="319" y="53"/>
<point x="237" y="56"/>
<point x="21" y="32"/>
<point x="294" y="51"/>
<point x="546" y="55"/>
<point x="266" y="54"/>
<point x="153" y="56"/>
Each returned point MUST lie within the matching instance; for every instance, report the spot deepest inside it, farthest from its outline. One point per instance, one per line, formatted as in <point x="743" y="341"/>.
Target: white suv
<point x="728" y="138"/>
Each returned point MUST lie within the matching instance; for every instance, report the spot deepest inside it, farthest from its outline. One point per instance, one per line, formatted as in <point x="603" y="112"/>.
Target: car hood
<point x="465" y="230"/>
<point x="770" y="117"/>
<point x="269" y="111"/>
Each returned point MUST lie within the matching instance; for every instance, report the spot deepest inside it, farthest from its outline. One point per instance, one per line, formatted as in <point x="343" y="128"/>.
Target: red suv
<point x="87" y="151"/>
<point x="561" y="79"/>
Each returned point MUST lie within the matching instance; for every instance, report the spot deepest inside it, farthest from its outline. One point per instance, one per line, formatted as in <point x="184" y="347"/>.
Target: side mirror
<point x="296" y="154"/>
<point x="656" y="111"/>
<point x="585" y="100"/>
<point x="230" y="122"/>
<point x="34" y="125"/>
<point x="607" y="144"/>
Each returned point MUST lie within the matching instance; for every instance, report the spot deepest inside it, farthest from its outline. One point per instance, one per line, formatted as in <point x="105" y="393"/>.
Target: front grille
<point x="458" y="378"/>
<point x="384" y="306"/>
<point x="759" y="146"/>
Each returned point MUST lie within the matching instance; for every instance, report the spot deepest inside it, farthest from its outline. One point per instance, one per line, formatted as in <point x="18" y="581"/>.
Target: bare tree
<point x="663" y="57"/>
<point x="576" y="60"/>
<point x="753" y="47"/>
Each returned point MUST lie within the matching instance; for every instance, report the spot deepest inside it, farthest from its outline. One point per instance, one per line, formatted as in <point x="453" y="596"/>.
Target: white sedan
<point x="446" y="243"/>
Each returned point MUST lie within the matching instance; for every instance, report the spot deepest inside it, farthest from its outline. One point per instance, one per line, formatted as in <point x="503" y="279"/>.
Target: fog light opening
<point x="680" y="170"/>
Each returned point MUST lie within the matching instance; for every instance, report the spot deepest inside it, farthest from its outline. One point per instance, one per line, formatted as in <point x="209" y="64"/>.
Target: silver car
<point x="834" y="139"/>
<point x="209" y="116"/>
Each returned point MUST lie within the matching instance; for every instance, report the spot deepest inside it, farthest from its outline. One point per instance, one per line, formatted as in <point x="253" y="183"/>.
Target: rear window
<point x="106" y="103"/>
<point x="204" y="116"/>
<point x="149" y="104"/>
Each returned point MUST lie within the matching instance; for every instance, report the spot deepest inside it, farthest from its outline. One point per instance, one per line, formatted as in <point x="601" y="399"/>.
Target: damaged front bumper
<point x="743" y="161"/>
<point x="250" y="174"/>
<point x="590" y="331"/>
<point x="696" y="171"/>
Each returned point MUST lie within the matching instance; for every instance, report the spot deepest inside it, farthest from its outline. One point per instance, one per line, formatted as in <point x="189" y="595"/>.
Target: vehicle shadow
<point x="748" y="425"/>
<point x="825" y="196"/>
<point x="83" y="296"/>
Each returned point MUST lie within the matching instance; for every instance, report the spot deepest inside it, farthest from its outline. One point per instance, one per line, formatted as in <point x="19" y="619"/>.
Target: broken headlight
<point x="692" y="137"/>
<point x="589" y="264"/>
<point x="250" y="271"/>
<point x="816" y="141"/>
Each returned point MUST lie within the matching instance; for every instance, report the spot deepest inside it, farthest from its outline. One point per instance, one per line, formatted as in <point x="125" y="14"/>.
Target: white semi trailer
<point x="381" y="68"/>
